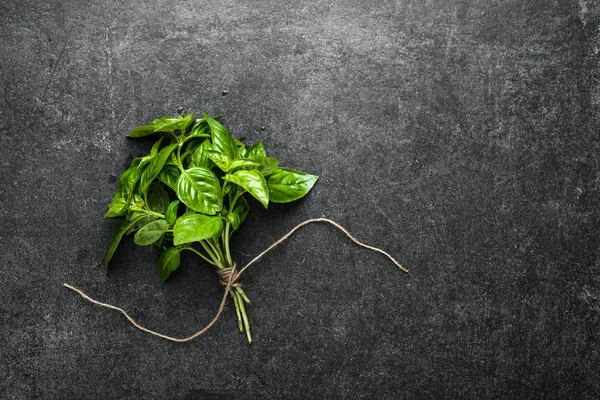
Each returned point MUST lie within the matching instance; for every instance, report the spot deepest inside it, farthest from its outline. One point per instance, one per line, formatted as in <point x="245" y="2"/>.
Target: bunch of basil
<point x="190" y="189"/>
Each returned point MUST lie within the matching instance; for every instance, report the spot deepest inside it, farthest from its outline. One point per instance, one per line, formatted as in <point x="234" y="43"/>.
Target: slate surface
<point x="461" y="136"/>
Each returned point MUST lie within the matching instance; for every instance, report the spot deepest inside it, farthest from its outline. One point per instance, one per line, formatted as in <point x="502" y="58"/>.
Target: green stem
<point x="200" y="254"/>
<point x="211" y="253"/>
<point x="226" y="243"/>
<point x="236" y="301"/>
<point x="245" y="319"/>
<point x="159" y="215"/>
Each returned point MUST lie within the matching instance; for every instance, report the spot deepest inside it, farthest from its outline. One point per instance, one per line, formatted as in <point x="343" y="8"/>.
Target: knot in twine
<point x="229" y="278"/>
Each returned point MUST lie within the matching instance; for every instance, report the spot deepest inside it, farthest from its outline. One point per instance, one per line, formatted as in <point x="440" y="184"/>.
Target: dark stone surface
<point x="461" y="136"/>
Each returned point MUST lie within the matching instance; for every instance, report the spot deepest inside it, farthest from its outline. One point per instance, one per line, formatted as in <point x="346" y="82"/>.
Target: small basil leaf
<point x="199" y="189"/>
<point x="239" y="213"/>
<point x="267" y="164"/>
<point x="156" y="166"/>
<point x="168" y="262"/>
<point x="222" y="160"/>
<point x="194" y="227"/>
<point x="257" y="149"/>
<point x="200" y="157"/>
<point x="117" y="235"/>
<point x="169" y="175"/>
<point x="253" y="182"/>
<point x="234" y="219"/>
<point x="153" y="152"/>
<point x="243" y="163"/>
<point x="158" y="199"/>
<point x="171" y="214"/>
<point x="117" y="207"/>
<point x="286" y="184"/>
<point x="141" y="131"/>
<point x="150" y="233"/>
<point x="144" y="220"/>
<point x="221" y="138"/>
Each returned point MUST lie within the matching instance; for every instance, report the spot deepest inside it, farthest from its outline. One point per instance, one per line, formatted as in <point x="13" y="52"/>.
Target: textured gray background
<point x="461" y="136"/>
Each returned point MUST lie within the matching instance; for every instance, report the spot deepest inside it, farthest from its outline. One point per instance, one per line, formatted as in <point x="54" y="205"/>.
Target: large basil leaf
<point x="286" y="184"/>
<point x="171" y="214"/>
<point x="226" y="164"/>
<point x="253" y="182"/>
<point x="150" y="233"/>
<point x="221" y="138"/>
<point x="117" y="235"/>
<point x="155" y="167"/>
<point x="169" y="175"/>
<point x="168" y="262"/>
<point x="199" y="189"/>
<point x="194" y="227"/>
<point x="158" y="199"/>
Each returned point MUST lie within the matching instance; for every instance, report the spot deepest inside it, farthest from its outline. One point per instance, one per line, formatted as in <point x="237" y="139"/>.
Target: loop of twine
<point x="229" y="278"/>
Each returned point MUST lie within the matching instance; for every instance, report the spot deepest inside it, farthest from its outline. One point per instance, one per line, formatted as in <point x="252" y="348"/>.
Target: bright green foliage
<point x="190" y="190"/>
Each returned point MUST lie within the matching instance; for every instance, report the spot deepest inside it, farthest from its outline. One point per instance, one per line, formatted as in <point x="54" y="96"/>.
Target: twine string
<point x="229" y="277"/>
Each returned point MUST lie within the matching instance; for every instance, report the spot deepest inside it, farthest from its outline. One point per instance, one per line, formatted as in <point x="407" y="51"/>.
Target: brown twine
<point x="229" y="278"/>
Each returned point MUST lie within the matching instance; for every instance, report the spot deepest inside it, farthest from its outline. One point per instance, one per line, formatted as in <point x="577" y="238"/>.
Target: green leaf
<point x="267" y="164"/>
<point x="117" y="207"/>
<point x="239" y="213"/>
<point x="199" y="189"/>
<point x="286" y="184"/>
<point x="200" y="157"/>
<point x="257" y="149"/>
<point x="155" y="167"/>
<point x="141" y="131"/>
<point x="253" y="182"/>
<point x="158" y="199"/>
<point x="168" y="262"/>
<point x="221" y="138"/>
<point x="222" y="160"/>
<point x="171" y="214"/>
<point x="194" y="227"/>
<point x="165" y="124"/>
<point x="243" y="163"/>
<point x="117" y="235"/>
<point x="169" y="175"/>
<point x="153" y="152"/>
<point x="144" y="220"/>
<point x="150" y="233"/>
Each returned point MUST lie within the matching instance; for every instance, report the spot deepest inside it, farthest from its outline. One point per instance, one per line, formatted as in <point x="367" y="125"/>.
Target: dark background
<point x="460" y="136"/>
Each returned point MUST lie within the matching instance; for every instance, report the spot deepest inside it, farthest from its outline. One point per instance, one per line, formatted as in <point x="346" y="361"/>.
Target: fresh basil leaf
<point x="239" y="213"/>
<point x="168" y="262"/>
<point x="153" y="152"/>
<point x="171" y="214"/>
<point x="267" y="164"/>
<point x="243" y="163"/>
<point x="117" y="207"/>
<point x="253" y="182"/>
<point x="200" y="157"/>
<point x="158" y="199"/>
<point x="141" y="131"/>
<point x="117" y="235"/>
<point x="155" y="167"/>
<point x="169" y="175"/>
<point x="286" y="184"/>
<point x="150" y="233"/>
<point x="144" y="220"/>
<point x="257" y="149"/>
<point x="222" y="160"/>
<point x="199" y="189"/>
<point x="194" y="227"/>
<point x="221" y="138"/>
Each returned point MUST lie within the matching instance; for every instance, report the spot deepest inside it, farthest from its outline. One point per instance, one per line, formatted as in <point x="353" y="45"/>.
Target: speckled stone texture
<point x="459" y="135"/>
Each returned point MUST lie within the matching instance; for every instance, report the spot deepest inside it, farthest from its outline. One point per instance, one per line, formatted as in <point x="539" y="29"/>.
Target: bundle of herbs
<point x="188" y="194"/>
